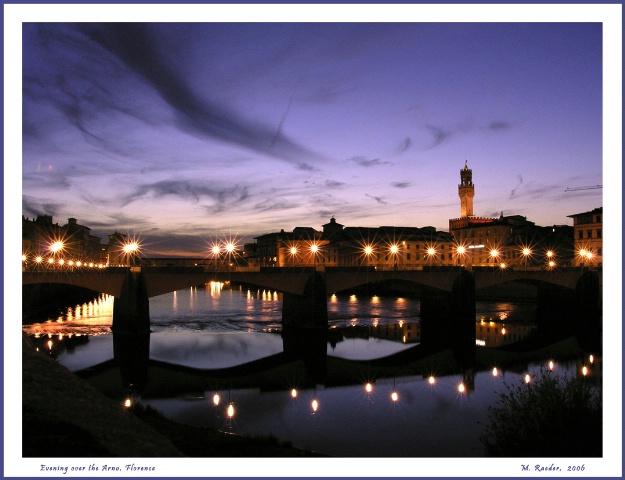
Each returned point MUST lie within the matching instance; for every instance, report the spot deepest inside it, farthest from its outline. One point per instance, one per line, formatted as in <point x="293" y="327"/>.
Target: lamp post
<point x="550" y="259"/>
<point x="494" y="253"/>
<point x="394" y="250"/>
<point x="230" y="248"/>
<point x="461" y="251"/>
<point x="293" y="252"/>
<point x="526" y="253"/>
<point x="314" y="248"/>
<point x="368" y="250"/>
<point x="131" y="249"/>
<point x="431" y="253"/>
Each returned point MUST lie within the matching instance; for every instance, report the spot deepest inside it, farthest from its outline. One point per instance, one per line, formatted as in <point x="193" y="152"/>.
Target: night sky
<point x="183" y="133"/>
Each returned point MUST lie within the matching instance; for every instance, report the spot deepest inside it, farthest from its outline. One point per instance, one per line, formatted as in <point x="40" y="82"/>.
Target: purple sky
<point x="185" y="133"/>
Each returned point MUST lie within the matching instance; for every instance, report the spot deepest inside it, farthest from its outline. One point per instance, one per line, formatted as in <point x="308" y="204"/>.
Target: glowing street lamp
<point x="462" y="254"/>
<point x="394" y="249"/>
<point x="230" y="248"/>
<point x="494" y="254"/>
<point x="526" y="251"/>
<point x="314" y="248"/>
<point x="56" y="246"/>
<point x="368" y="251"/>
<point x="293" y="252"/>
<point x="130" y="250"/>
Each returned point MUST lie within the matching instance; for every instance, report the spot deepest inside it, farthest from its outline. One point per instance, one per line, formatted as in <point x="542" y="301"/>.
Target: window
<point x="407" y="256"/>
<point x="588" y="233"/>
<point x="580" y="235"/>
<point x="598" y="220"/>
<point x="598" y="233"/>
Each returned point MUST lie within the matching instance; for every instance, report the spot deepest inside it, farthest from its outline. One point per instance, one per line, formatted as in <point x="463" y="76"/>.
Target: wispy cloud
<point x="136" y="45"/>
<point x="440" y="135"/>
<point x="401" y="184"/>
<point x="380" y="200"/>
<point x="519" y="183"/>
<point x="368" y="162"/>
<point x="499" y="126"/>
<point x="333" y="183"/>
<point x="32" y="207"/>
<point x="404" y="145"/>
<point x="192" y="191"/>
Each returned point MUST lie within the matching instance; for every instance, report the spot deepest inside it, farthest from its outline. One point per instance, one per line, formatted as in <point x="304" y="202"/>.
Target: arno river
<point x="433" y="407"/>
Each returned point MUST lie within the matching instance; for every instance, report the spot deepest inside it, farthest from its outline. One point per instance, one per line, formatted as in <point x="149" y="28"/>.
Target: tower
<point x="466" y="191"/>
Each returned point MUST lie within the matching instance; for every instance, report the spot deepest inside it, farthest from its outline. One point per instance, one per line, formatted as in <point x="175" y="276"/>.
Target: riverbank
<point x="64" y="416"/>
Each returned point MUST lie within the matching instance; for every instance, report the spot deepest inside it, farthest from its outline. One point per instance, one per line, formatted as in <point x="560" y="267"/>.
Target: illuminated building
<point x="505" y="241"/>
<point x="588" y="227"/>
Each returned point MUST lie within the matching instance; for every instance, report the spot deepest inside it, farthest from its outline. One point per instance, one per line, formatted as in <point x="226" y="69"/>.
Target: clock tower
<point x="466" y="192"/>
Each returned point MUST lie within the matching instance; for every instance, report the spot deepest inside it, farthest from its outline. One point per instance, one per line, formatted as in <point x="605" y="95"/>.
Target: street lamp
<point x="230" y="248"/>
<point x="368" y="250"/>
<point x="130" y="250"/>
<point x="494" y="253"/>
<point x="56" y="247"/>
<point x="314" y="248"/>
<point x="293" y="252"/>
<point x="461" y="251"/>
<point x="394" y="251"/>
<point x="526" y="253"/>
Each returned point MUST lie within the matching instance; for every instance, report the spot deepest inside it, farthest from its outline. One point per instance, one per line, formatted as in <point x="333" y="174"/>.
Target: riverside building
<point x="505" y="241"/>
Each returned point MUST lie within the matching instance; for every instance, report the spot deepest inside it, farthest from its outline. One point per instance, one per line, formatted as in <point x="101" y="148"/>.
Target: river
<point x="434" y="407"/>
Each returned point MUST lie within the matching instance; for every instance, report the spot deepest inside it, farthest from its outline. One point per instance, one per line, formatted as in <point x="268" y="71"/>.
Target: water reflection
<point x="306" y="386"/>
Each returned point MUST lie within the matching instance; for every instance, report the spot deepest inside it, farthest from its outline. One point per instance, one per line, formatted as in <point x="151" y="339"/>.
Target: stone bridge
<point x="445" y="291"/>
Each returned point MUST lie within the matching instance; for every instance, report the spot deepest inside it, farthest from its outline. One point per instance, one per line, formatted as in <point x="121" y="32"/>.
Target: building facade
<point x="588" y="234"/>
<point x="505" y="241"/>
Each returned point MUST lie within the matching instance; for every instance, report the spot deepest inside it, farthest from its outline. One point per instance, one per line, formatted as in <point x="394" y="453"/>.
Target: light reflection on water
<point x="211" y="328"/>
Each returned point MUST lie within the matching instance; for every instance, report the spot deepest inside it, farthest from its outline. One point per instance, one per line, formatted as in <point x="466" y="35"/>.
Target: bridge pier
<point x="131" y="310"/>
<point x="449" y="316"/>
<point x="131" y="351"/>
<point x="309" y="310"/>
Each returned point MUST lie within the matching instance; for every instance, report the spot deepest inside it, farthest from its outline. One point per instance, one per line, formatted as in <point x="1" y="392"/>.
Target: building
<point x="505" y="241"/>
<point x="588" y="235"/>
<point x="72" y="241"/>
<point x="384" y="247"/>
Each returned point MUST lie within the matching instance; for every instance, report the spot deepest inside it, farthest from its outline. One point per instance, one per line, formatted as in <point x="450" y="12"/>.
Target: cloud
<point x="136" y="45"/>
<point x="366" y="162"/>
<point x="377" y="199"/>
<point x="272" y="204"/>
<point x="514" y="190"/>
<point x="307" y="168"/>
<point x="333" y="183"/>
<point x="499" y="126"/>
<point x="32" y="207"/>
<point x="401" y="184"/>
<point x="440" y="135"/>
<point x="187" y="190"/>
<point x="404" y="145"/>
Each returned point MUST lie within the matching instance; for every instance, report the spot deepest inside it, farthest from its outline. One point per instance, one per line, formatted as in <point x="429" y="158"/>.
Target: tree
<point x="552" y="416"/>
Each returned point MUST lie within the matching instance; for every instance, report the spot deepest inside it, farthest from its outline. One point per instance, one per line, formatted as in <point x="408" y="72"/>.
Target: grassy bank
<point x="64" y="416"/>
